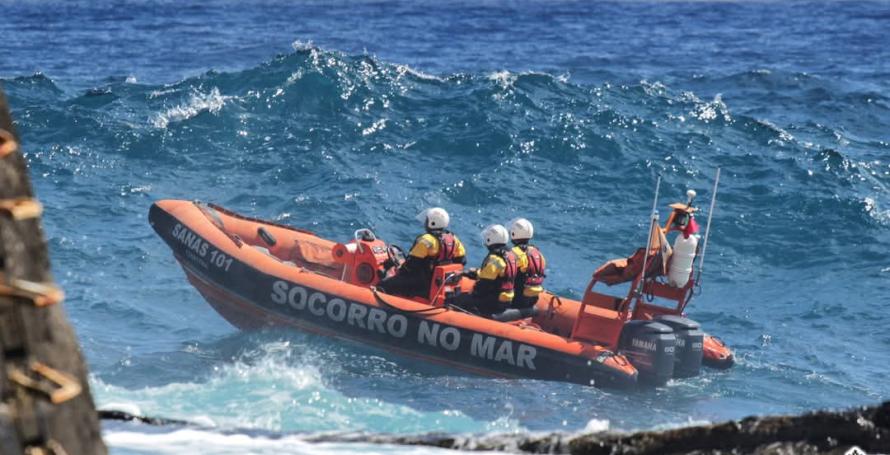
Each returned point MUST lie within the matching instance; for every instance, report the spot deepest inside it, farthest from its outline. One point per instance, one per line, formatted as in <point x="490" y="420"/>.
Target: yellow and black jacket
<point x="532" y="270"/>
<point x="438" y="248"/>
<point x="429" y="250"/>
<point x="496" y="276"/>
<point x="432" y="249"/>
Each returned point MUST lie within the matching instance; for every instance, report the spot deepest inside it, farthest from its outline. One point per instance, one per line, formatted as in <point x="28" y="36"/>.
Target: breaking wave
<point x="273" y="389"/>
<point x="202" y="441"/>
<point x="199" y="102"/>
<point x="332" y="142"/>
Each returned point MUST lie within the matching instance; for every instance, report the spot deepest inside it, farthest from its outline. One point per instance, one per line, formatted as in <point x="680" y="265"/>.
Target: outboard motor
<point x="649" y="345"/>
<point x="690" y="339"/>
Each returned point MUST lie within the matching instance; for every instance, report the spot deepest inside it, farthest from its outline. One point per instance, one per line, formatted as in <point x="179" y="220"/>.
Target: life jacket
<point x="509" y="271"/>
<point x="447" y="247"/>
<point x="503" y="283"/>
<point x="534" y="273"/>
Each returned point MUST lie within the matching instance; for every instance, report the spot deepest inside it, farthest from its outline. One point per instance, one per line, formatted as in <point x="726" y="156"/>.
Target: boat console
<point x="364" y="258"/>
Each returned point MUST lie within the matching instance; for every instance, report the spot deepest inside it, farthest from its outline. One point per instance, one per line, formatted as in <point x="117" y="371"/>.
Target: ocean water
<point x="333" y="116"/>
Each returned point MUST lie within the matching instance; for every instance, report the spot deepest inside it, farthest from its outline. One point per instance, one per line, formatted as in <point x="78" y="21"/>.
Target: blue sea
<point x="337" y="115"/>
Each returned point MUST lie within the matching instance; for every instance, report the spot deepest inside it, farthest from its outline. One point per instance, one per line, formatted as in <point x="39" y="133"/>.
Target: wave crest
<point x="199" y="102"/>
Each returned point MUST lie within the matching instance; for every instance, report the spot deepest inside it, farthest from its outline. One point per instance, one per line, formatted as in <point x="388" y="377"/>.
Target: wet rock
<point x="823" y="432"/>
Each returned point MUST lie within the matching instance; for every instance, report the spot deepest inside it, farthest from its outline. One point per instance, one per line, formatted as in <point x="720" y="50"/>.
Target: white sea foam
<point x="689" y="422"/>
<point x="299" y="45"/>
<point x="374" y="127"/>
<point x="294" y="77"/>
<point x="596" y="426"/>
<point x="168" y="89"/>
<point x="129" y="189"/>
<point x="656" y="88"/>
<point x="199" y="102"/>
<point x="504" y="78"/>
<point x="279" y="393"/>
<point x="875" y="211"/>
<point x="710" y="111"/>
<point x="403" y="69"/>
<point x="210" y="442"/>
<point x="784" y="136"/>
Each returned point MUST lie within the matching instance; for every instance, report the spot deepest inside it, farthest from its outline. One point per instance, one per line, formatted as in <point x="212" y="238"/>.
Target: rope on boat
<point x="551" y="308"/>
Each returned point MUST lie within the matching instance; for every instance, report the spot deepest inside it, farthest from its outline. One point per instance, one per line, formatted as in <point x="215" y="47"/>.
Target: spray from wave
<point x="273" y="389"/>
<point x="199" y="441"/>
<point x="199" y="102"/>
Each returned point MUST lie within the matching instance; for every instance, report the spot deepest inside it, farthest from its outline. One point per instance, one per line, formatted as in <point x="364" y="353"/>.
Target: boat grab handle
<point x="383" y="302"/>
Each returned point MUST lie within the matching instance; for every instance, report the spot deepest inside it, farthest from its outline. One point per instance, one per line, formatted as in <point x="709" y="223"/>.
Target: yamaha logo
<point x="643" y="344"/>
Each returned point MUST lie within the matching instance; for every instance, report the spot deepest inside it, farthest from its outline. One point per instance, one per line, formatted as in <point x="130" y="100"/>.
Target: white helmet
<point x="521" y="229"/>
<point x="434" y="218"/>
<point x="495" y="234"/>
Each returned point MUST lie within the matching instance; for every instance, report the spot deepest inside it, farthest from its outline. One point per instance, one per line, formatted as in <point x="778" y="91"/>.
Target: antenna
<point x="701" y="259"/>
<point x="652" y="223"/>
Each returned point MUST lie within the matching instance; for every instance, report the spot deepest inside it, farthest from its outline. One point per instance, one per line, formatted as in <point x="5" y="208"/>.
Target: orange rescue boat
<point x="259" y="274"/>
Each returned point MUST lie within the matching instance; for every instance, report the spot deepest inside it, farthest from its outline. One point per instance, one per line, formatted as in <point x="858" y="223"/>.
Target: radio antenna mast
<point x="653" y="221"/>
<point x="704" y="248"/>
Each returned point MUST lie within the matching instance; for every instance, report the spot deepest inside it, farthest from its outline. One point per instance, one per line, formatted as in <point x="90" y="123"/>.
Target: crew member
<point x="436" y="247"/>
<point x="530" y="277"/>
<point x="493" y="292"/>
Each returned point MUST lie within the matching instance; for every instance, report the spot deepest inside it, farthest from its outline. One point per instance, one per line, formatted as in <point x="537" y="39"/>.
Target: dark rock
<point x="823" y="432"/>
<point x="29" y="420"/>
<point x="127" y="417"/>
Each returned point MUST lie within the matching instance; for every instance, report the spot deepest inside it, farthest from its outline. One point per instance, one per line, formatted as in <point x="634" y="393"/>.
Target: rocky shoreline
<point x="866" y="429"/>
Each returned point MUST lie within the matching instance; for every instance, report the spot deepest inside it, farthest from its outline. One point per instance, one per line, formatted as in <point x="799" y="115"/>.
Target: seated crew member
<point x="493" y="291"/>
<point x="436" y="247"/>
<point x="531" y="273"/>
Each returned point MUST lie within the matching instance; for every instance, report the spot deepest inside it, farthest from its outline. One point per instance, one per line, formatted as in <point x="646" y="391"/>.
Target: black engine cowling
<point x="690" y="338"/>
<point x="649" y="345"/>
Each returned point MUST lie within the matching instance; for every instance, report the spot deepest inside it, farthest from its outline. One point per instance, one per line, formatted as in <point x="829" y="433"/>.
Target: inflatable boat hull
<point x="253" y="290"/>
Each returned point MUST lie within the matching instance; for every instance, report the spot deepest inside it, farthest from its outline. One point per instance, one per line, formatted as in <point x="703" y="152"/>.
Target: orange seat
<point x="599" y="325"/>
<point x="598" y="300"/>
<point x="599" y="319"/>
